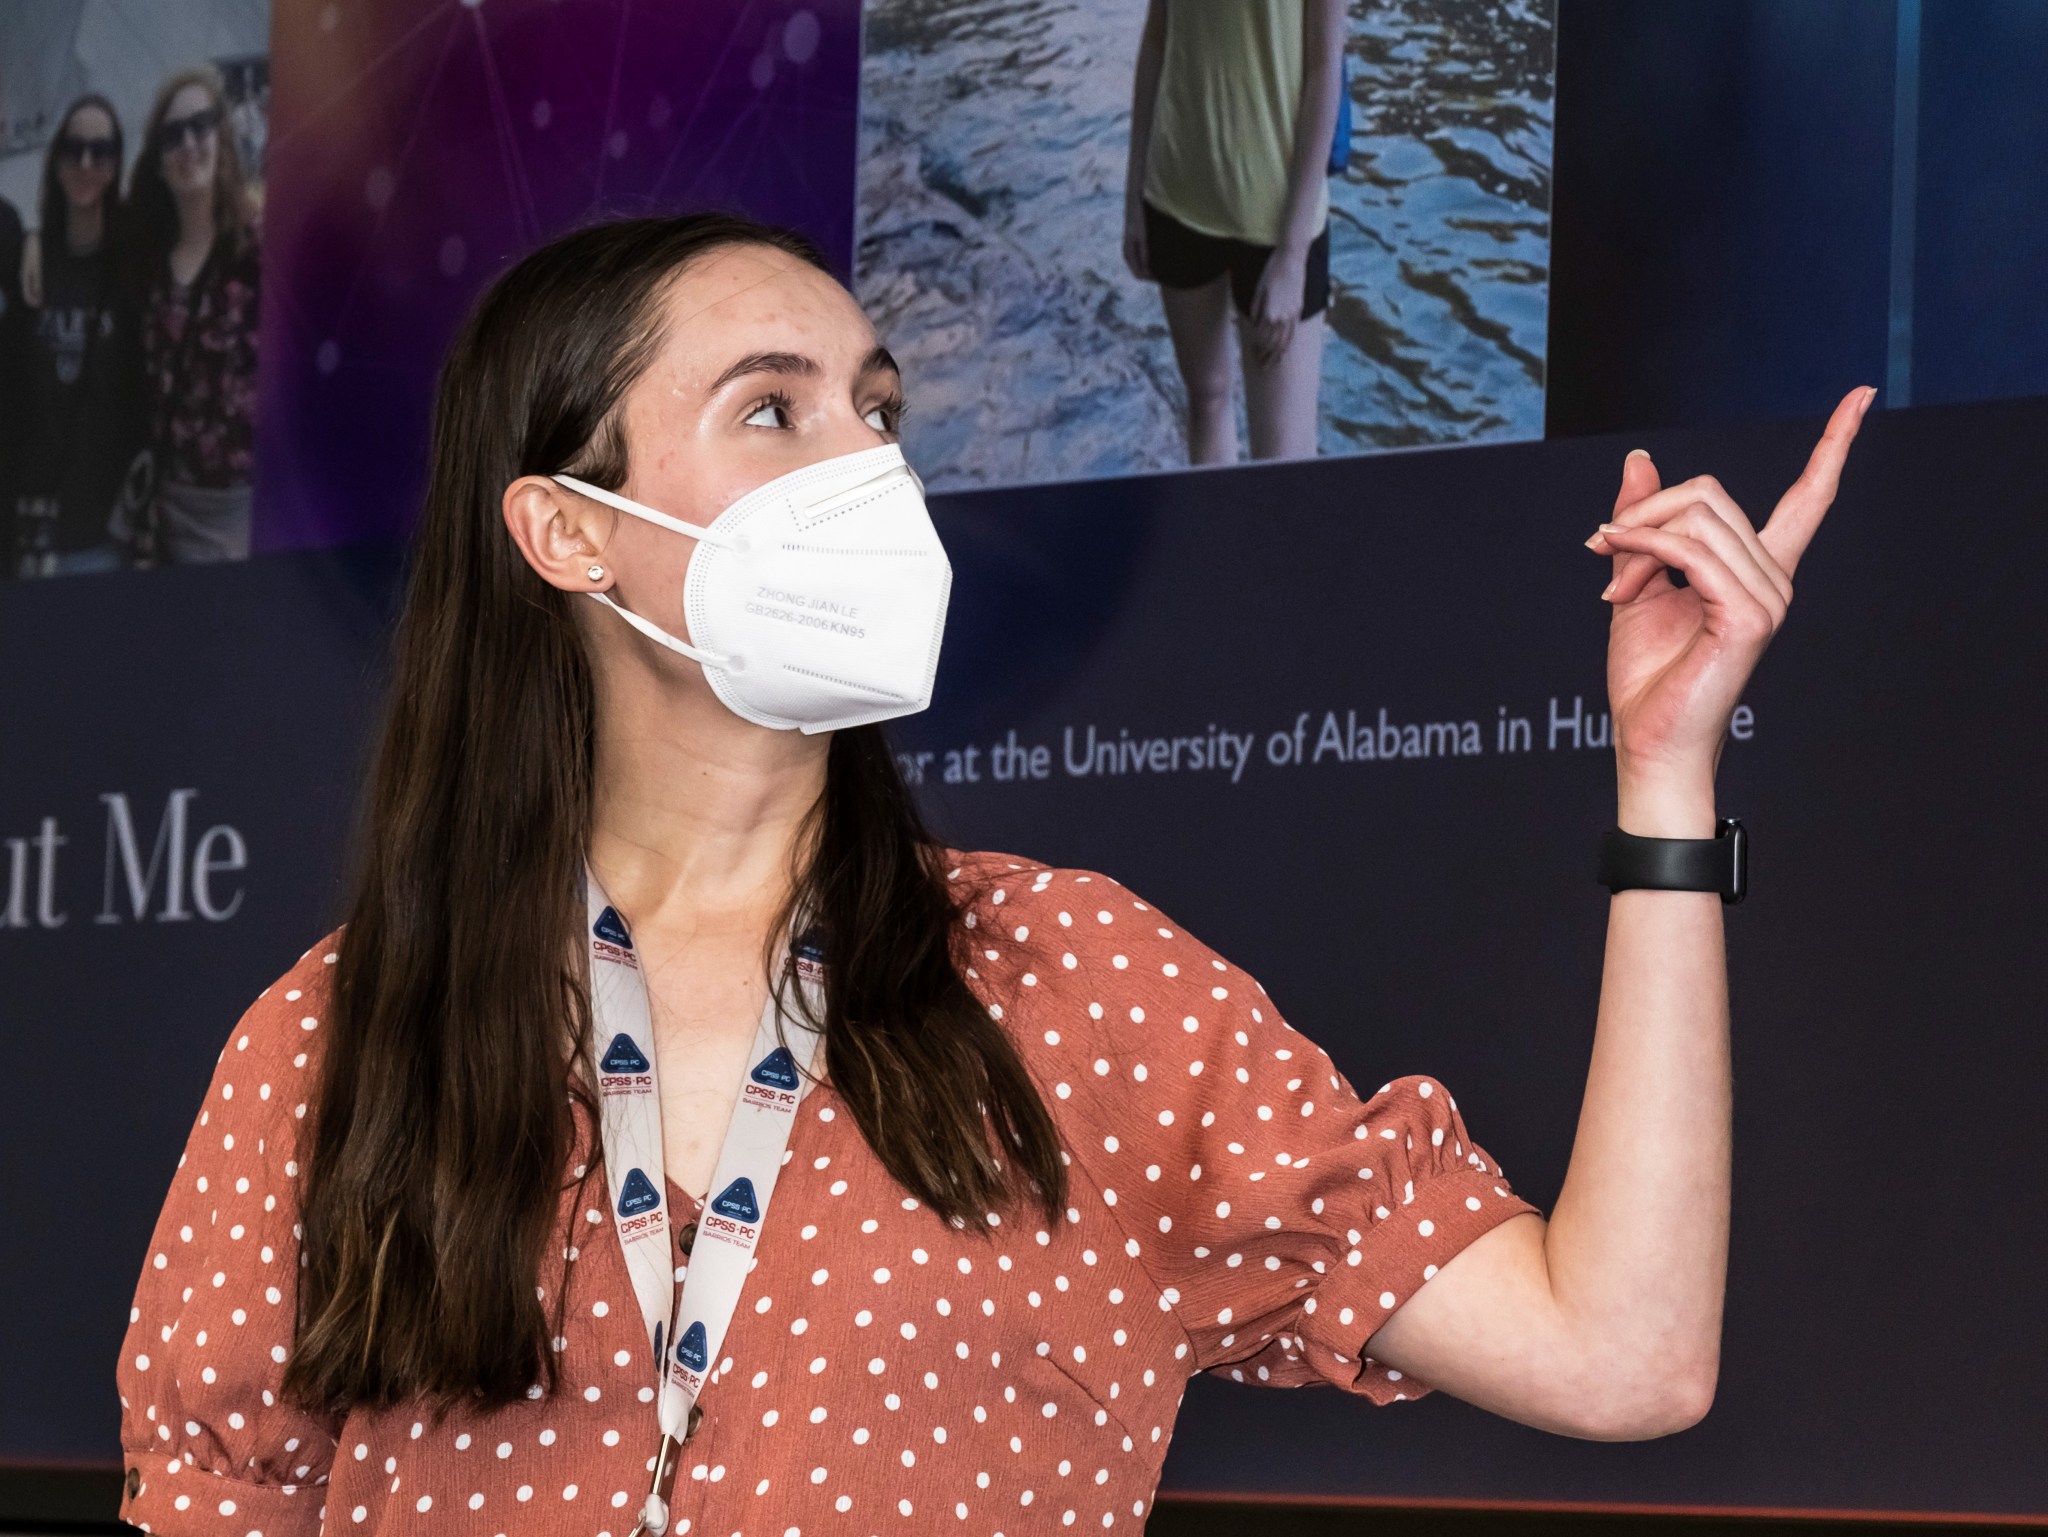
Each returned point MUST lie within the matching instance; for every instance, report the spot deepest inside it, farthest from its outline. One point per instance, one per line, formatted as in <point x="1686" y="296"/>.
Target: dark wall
<point x="1727" y="191"/>
<point x="1980" y="315"/>
<point x="1721" y="239"/>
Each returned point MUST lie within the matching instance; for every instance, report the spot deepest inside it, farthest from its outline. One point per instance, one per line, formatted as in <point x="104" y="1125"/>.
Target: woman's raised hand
<point x="1678" y="658"/>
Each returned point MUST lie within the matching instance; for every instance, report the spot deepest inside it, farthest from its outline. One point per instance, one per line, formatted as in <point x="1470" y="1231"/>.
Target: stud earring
<point x="595" y="573"/>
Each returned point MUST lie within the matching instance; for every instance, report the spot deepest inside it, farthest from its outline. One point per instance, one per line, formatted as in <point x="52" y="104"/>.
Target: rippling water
<point x="994" y="136"/>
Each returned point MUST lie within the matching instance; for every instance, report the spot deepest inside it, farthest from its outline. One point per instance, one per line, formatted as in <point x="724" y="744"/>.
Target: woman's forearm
<point x="1315" y="124"/>
<point x="1638" y="1240"/>
<point x="1606" y="1320"/>
<point x="1144" y="94"/>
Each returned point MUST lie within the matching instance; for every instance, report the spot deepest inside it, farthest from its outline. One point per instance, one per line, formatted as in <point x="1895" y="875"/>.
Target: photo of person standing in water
<point x="1227" y="208"/>
<point x="1076" y="223"/>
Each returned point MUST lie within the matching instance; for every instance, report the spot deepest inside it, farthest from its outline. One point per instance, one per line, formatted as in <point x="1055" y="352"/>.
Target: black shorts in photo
<point x="1181" y="257"/>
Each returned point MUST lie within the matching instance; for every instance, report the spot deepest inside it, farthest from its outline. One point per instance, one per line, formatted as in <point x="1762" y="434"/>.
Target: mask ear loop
<point x="734" y="542"/>
<point x="647" y="627"/>
<point x="656" y="633"/>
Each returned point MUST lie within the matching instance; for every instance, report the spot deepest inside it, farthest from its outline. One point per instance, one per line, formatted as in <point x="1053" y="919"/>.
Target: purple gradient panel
<point x="419" y="146"/>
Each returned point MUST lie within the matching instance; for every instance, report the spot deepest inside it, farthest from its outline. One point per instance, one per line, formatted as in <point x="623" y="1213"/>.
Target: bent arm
<point x="210" y="1441"/>
<point x="1606" y="1321"/>
<point x="1144" y="95"/>
<point x="1315" y="124"/>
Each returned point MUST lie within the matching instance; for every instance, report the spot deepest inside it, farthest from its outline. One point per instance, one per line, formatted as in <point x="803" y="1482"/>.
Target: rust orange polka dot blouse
<point x="1235" y="1208"/>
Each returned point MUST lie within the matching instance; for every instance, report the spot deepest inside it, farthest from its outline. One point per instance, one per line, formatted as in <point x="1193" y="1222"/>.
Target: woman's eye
<point x="776" y="414"/>
<point x="881" y="419"/>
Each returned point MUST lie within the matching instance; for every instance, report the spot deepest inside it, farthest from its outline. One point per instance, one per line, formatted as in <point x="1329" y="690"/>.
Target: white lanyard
<point x="622" y="1045"/>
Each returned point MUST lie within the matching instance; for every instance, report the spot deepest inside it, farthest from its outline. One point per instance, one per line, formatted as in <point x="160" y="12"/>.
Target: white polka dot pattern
<point x="1234" y="1207"/>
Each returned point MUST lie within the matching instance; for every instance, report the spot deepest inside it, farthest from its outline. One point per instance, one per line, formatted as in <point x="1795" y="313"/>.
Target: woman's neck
<point x="195" y="219"/>
<point x="83" y="225"/>
<point x="696" y="813"/>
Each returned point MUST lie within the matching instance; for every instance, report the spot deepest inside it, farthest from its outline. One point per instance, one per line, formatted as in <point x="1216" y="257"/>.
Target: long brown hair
<point x="445" y="1109"/>
<point x="153" y="211"/>
<point x="53" y="206"/>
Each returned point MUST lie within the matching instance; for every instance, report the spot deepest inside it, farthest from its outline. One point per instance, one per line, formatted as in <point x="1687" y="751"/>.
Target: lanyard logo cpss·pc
<point x="685" y="1334"/>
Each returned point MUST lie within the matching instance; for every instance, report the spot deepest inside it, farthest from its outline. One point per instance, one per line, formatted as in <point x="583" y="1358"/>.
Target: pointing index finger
<point x="1796" y="518"/>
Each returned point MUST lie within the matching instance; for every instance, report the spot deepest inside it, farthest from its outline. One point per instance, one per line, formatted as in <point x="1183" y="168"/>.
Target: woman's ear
<point x="562" y="535"/>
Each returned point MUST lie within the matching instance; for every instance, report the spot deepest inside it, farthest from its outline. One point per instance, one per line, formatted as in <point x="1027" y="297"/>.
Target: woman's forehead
<point x="744" y="299"/>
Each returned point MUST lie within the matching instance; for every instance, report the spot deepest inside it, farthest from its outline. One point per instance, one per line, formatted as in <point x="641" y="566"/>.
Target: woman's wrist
<point x="1666" y="803"/>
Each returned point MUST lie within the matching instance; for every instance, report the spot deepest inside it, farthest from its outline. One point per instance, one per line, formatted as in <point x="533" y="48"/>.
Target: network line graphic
<point x="419" y="146"/>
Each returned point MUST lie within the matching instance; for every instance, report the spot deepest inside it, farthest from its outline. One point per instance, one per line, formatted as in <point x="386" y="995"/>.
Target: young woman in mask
<point x="677" y="1138"/>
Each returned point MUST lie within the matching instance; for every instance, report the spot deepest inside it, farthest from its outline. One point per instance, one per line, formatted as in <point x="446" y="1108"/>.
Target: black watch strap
<point x="1719" y="863"/>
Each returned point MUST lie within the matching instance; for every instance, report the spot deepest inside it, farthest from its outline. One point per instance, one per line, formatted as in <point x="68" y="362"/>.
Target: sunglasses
<point x="87" y="152"/>
<point x="194" y="128"/>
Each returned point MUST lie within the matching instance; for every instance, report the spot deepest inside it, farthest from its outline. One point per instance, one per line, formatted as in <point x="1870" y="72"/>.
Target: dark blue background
<point x="1980" y="309"/>
<point x="1722" y="244"/>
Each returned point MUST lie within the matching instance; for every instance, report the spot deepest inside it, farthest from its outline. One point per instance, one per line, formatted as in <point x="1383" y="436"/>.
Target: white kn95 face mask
<point x="816" y="601"/>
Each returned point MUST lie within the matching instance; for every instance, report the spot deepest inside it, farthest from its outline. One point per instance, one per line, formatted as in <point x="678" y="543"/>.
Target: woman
<point x="415" y="1269"/>
<point x="200" y="281"/>
<point x="1227" y="204"/>
<point x="83" y="411"/>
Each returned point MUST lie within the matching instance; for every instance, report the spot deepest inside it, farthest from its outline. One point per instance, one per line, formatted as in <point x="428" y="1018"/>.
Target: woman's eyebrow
<point x="797" y="365"/>
<point x="767" y="363"/>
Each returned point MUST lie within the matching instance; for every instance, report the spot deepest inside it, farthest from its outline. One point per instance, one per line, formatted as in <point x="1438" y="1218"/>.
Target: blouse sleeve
<point x="1283" y="1217"/>
<point x="209" y="1442"/>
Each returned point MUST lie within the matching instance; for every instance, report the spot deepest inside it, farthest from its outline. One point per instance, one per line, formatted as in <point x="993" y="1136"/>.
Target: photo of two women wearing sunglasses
<point x="128" y="340"/>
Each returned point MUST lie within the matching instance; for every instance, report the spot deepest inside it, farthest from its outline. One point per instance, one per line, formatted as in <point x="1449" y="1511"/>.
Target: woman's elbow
<point x="1673" y="1396"/>
<point x="1682" y="1404"/>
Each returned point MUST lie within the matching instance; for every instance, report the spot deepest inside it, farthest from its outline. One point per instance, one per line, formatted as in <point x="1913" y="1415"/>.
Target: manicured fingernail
<point x="1610" y="528"/>
<point x="1595" y="542"/>
<point x="1608" y="590"/>
<point x="1633" y="452"/>
<point x="1869" y="394"/>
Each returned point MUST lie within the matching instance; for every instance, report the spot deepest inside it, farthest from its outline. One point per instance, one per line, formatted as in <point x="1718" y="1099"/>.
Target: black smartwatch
<point x="1719" y="863"/>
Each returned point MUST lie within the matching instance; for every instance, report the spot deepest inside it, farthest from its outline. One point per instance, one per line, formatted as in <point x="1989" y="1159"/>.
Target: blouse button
<point x="687" y="1238"/>
<point x="696" y="1416"/>
<point x="134" y="1482"/>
